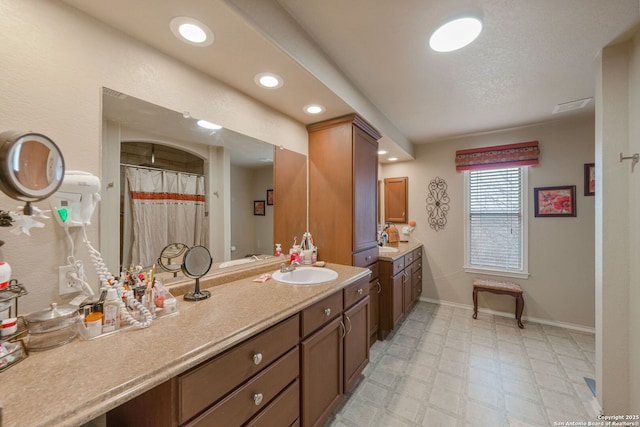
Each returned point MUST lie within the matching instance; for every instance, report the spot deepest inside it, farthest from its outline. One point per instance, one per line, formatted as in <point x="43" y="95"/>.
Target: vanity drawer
<point x="320" y="313"/>
<point x="283" y="411"/>
<point x="366" y="257"/>
<point x="417" y="264"/>
<point x="255" y="395"/>
<point x="408" y="259"/>
<point x="417" y="258"/>
<point x="355" y="292"/>
<point x="398" y="266"/>
<point x="209" y="382"/>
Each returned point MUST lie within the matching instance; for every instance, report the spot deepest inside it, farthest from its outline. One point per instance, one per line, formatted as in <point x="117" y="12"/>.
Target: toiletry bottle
<point x="278" y="249"/>
<point x="111" y="311"/>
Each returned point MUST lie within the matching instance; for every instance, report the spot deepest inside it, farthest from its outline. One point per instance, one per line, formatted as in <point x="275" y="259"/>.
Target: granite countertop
<point x="403" y="249"/>
<point x="74" y="383"/>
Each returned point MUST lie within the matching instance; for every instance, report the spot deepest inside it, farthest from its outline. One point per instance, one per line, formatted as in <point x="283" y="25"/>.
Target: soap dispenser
<point x="278" y="249"/>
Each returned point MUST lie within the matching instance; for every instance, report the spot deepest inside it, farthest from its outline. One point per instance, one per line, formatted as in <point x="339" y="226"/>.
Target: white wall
<point x="251" y="234"/>
<point x="617" y="230"/>
<point x="560" y="288"/>
<point x="55" y="62"/>
<point x="634" y="229"/>
<point x="263" y="225"/>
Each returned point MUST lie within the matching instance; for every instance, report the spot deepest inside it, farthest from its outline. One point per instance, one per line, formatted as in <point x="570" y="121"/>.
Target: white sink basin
<point x="306" y="276"/>
<point x="387" y="250"/>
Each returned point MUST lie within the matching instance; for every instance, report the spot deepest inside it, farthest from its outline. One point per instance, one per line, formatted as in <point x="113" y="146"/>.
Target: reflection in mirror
<point x="171" y="257"/>
<point x="31" y="166"/>
<point x="237" y="170"/>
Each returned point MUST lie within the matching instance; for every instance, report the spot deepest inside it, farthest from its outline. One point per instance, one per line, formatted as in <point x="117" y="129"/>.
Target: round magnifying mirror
<point x="172" y="257"/>
<point x="197" y="262"/>
<point x="31" y="166"/>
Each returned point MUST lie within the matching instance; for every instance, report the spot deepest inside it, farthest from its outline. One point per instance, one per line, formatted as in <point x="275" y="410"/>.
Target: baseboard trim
<point x="571" y="326"/>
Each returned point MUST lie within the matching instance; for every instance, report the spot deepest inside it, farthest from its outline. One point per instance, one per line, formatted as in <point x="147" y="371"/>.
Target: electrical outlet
<point x="66" y="284"/>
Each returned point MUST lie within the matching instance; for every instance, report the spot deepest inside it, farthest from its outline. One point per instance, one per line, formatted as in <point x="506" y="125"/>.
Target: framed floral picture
<point x="589" y="179"/>
<point x="555" y="201"/>
<point x="270" y="197"/>
<point x="258" y="207"/>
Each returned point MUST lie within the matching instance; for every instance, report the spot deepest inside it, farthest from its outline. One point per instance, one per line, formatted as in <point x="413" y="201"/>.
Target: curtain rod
<point x="159" y="169"/>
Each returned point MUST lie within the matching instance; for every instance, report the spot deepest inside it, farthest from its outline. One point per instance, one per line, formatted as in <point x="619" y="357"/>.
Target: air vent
<point x="573" y="105"/>
<point x="114" y="93"/>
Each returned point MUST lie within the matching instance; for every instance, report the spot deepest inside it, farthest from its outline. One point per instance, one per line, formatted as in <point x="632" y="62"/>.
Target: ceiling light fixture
<point x="392" y="159"/>
<point x="382" y="152"/>
<point x="191" y="31"/>
<point x="268" y="80"/>
<point x="208" y="125"/>
<point x="455" y="34"/>
<point x="314" y="109"/>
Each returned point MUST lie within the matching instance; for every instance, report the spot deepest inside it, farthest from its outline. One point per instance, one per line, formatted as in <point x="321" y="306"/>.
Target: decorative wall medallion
<point x="437" y="204"/>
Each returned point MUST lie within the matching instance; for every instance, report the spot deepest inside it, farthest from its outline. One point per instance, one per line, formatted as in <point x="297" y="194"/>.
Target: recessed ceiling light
<point x="455" y="34"/>
<point x="392" y="159"/>
<point x="314" y="109"/>
<point x="208" y="125"/>
<point x="268" y="80"/>
<point x="191" y="31"/>
<point x="381" y="152"/>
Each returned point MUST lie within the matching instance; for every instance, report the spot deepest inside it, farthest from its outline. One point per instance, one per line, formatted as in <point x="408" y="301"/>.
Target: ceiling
<point x="161" y="124"/>
<point x="372" y="57"/>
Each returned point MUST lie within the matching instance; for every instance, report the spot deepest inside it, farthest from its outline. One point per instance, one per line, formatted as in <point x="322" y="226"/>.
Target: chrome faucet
<point x="292" y="267"/>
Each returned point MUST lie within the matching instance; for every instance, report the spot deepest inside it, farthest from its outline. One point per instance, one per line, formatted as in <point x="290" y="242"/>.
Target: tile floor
<point x="442" y="368"/>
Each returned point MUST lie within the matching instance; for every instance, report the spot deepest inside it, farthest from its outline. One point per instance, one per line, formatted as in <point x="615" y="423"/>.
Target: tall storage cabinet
<point x="343" y="177"/>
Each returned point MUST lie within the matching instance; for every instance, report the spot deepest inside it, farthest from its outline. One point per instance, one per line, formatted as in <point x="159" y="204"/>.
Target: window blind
<point x="495" y="218"/>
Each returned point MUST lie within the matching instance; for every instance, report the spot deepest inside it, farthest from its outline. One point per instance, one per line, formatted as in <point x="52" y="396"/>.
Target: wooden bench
<point x="480" y="285"/>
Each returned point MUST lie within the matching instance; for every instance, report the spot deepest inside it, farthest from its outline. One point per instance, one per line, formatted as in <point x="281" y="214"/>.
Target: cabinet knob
<point x="360" y="291"/>
<point x="257" y="398"/>
<point x="327" y="312"/>
<point x="367" y="258"/>
<point x="257" y="358"/>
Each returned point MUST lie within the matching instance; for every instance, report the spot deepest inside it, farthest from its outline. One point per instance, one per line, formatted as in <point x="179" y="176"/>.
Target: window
<point x="496" y="224"/>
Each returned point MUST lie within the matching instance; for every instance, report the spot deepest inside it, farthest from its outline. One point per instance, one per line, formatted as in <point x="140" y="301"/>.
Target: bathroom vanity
<point x="401" y="282"/>
<point x="250" y="352"/>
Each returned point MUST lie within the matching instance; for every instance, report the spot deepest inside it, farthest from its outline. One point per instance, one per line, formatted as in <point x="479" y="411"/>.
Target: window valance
<point x="501" y="156"/>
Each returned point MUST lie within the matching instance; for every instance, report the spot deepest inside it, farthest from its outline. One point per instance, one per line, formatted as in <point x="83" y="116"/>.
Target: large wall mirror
<point x="218" y="177"/>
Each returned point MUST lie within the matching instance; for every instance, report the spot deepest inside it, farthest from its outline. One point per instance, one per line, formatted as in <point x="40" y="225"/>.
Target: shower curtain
<point x="160" y="207"/>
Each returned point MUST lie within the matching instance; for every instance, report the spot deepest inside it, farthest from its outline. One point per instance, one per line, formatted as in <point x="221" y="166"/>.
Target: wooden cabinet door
<point x="356" y="342"/>
<point x="365" y="194"/>
<point x="397" y="302"/>
<point x="322" y="381"/>
<point x="395" y="200"/>
<point x="374" y="309"/>
<point x="407" y="285"/>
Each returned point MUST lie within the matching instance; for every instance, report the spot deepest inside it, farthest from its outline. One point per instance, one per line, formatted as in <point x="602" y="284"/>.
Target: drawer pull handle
<point x="257" y="398"/>
<point x="379" y="287"/>
<point x="257" y="358"/>
<point x="327" y="312"/>
<point x="360" y="291"/>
